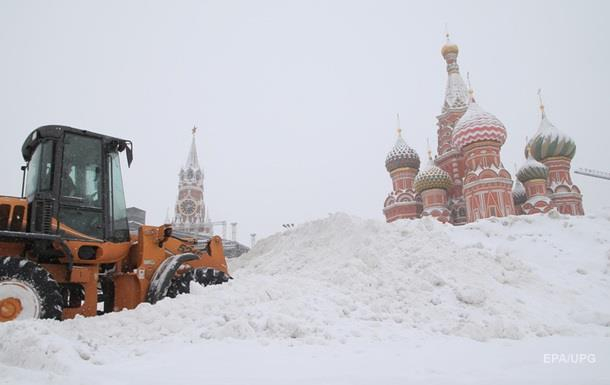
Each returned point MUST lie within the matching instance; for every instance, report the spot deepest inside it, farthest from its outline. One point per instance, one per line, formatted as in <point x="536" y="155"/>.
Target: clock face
<point x="187" y="207"/>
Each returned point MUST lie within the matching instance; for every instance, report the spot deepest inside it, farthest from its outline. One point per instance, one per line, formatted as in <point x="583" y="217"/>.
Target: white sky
<point x="295" y="101"/>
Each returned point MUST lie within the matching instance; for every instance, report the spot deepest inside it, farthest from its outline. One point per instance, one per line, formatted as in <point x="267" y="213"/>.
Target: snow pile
<point x="343" y="278"/>
<point x="500" y="278"/>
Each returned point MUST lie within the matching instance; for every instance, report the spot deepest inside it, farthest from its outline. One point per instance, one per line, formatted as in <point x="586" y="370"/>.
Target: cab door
<point x="81" y="198"/>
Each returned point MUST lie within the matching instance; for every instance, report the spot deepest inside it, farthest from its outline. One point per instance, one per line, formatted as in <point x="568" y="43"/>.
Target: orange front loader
<point x="65" y="247"/>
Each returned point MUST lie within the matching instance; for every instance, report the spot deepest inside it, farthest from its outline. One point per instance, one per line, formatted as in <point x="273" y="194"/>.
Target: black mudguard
<point x="163" y="276"/>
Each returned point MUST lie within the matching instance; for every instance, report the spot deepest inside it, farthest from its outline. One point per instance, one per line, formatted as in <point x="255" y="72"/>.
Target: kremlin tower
<point x="190" y="212"/>
<point x="402" y="162"/>
<point x="467" y="180"/>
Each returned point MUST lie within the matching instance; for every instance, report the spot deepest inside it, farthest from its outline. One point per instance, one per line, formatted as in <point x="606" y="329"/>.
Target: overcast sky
<point x="295" y="101"/>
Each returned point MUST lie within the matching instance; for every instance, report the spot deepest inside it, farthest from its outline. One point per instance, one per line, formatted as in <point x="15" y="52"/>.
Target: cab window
<point x="81" y="195"/>
<point x="82" y="170"/>
<point x="118" y="209"/>
<point x="40" y="170"/>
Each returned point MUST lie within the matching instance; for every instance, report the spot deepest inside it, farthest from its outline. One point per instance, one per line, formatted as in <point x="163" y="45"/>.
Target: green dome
<point x="532" y="169"/>
<point x="550" y="142"/>
<point x="430" y="178"/>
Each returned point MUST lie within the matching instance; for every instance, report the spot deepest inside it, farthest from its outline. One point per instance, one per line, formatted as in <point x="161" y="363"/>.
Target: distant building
<point x="467" y="180"/>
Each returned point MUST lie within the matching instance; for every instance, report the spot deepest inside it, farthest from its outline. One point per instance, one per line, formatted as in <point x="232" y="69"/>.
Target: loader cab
<point x="74" y="185"/>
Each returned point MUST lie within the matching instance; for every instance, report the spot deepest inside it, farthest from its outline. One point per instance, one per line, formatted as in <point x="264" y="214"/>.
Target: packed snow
<point x="344" y="300"/>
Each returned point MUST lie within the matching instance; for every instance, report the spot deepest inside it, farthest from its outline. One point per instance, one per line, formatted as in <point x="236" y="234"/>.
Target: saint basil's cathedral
<point x="467" y="181"/>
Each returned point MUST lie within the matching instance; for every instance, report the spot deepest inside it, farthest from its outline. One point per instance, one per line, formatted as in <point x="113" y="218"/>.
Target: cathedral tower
<point x="402" y="163"/>
<point x="487" y="184"/>
<point x="432" y="184"/>
<point x="449" y="158"/>
<point x="555" y="150"/>
<point x="533" y="175"/>
<point x="190" y="208"/>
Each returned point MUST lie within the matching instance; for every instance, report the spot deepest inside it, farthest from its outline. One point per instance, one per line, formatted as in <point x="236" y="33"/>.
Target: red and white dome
<point x="477" y="125"/>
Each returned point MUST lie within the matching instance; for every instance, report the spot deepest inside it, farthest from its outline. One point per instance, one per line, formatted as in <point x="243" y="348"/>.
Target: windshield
<point x="118" y="209"/>
<point x="40" y="170"/>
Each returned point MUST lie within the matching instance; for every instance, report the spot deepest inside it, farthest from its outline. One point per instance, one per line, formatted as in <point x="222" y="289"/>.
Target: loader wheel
<point x="181" y="284"/>
<point x="27" y="291"/>
<point x="207" y="277"/>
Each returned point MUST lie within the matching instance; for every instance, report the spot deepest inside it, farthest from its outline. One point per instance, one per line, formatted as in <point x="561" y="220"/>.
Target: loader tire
<point x="207" y="277"/>
<point x="28" y="291"/>
<point x="181" y="284"/>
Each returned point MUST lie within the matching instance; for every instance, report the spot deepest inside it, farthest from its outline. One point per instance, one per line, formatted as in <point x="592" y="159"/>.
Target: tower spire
<point x="543" y="114"/>
<point x="470" y="90"/>
<point x="456" y="93"/>
<point x="192" y="160"/>
<point x="398" y="129"/>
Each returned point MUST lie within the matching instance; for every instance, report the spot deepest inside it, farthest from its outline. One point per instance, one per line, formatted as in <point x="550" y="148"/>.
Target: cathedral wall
<point x="402" y="210"/>
<point x="402" y="178"/>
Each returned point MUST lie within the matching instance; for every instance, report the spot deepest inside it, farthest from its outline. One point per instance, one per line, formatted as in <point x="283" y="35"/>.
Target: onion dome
<point x="448" y="48"/>
<point x="519" y="194"/>
<point x="401" y="155"/>
<point x="550" y="142"/>
<point x="431" y="177"/>
<point x="477" y="125"/>
<point x="532" y="169"/>
<point x="456" y="92"/>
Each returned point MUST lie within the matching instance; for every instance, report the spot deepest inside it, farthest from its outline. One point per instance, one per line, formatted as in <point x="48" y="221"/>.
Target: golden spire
<point x="398" y="129"/>
<point x="540" y="101"/>
<point x="470" y="90"/>
<point x="448" y="47"/>
<point x="429" y="150"/>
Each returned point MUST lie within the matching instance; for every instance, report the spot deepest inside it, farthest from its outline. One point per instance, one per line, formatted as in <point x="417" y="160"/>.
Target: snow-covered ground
<point x="344" y="300"/>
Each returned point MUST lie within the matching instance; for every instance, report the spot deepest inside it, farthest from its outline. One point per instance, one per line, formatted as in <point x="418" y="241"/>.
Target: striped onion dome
<point x="431" y="177"/>
<point x="401" y="156"/>
<point x="519" y="194"/>
<point x="477" y="125"/>
<point x="532" y="169"/>
<point x="550" y="142"/>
